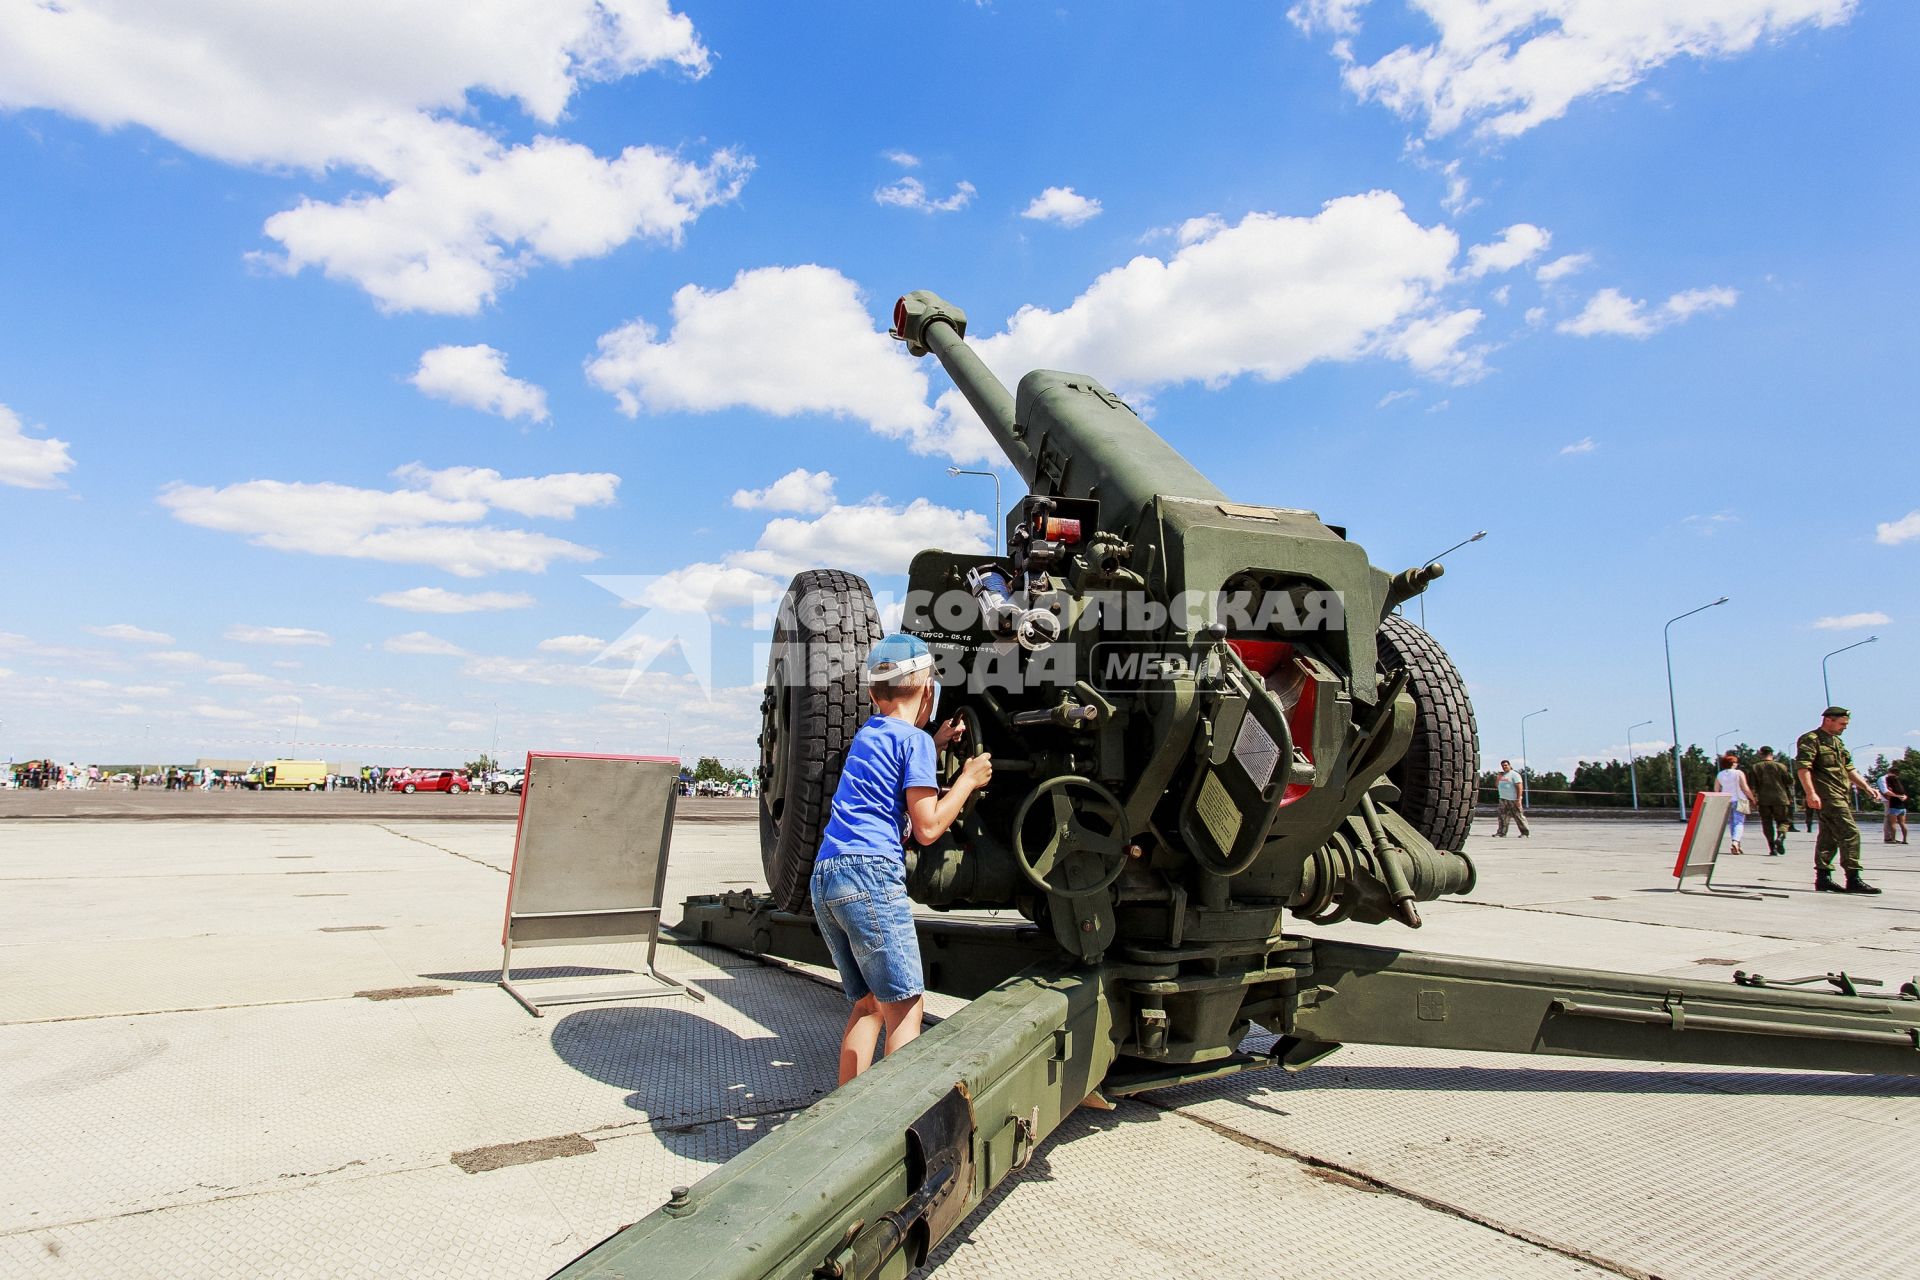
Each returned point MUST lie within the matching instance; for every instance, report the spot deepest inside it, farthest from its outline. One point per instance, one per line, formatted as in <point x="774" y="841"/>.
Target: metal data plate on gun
<point x="1232" y="803"/>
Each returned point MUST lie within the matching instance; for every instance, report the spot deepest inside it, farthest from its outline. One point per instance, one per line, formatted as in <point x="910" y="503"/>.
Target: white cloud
<point x="1584" y="444"/>
<point x="911" y="193"/>
<point x="1536" y="316"/>
<point x="1435" y="344"/>
<point x="440" y="600"/>
<point x="189" y="659"/>
<point x="209" y="711"/>
<point x="1708" y="525"/>
<point x="1562" y="267"/>
<point x="1683" y="305"/>
<point x="29" y="462"/>
<point x="1405" y="393"/>
<point x="871" y="537"/>
<point x="808" y="492"/>
<point x="434" y="523"/>
<point x="553" y="497"/>
<point x="707" y="588"/>
<point x="1850" y="621"/>
<point x="1517" y="244"/>
<point x="1892" y="533"/>
<point x="1508" y="65"/>
<point x="448" y="237"/>
<point x="130" y="633"/>
<point x="477" y="378"/>
<point x="905" y="159"/>
<point x="420" y="642"/>
<point x="1338" y="16"/>
<point x="1062" y="205"/>
<point x="718" y="356"/>
<point x="1611" y="312"/>
<point x="455" y="212"/>
<point x="573" y="644"/>
<point x="1265" y="297"/>
<point x="242" y="679"/>
<point x="243" y="634"/>
<point x="1457" y="201"/>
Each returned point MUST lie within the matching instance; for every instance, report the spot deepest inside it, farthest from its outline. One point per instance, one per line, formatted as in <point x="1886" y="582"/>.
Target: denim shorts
<point x="864" y="915"/>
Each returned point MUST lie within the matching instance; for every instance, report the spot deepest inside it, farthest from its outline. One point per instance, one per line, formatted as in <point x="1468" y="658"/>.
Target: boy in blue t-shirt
<point x="859" y="884"/>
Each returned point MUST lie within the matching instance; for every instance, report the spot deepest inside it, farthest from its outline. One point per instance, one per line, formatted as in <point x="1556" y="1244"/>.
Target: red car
<point x="433" y="780"/>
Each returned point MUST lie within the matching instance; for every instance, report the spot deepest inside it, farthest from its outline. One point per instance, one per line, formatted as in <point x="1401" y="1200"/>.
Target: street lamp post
<point x="1719" y="738"/>
<point x="1679" y="784"/>
<point x="1526" y="770"/>
<point x="1825" y="686"/>
<point x="998" y="533"/>
<point x="1436" y="560"/>
<point x="293" y="739"/>
<point x="1633" y="779"/>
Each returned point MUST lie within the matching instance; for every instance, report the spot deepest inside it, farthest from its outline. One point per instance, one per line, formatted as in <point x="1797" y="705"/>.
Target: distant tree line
<point x="1606" y="784"/>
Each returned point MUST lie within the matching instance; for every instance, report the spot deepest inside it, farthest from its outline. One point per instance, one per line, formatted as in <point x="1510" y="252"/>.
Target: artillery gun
<point x="1204" y="716"/>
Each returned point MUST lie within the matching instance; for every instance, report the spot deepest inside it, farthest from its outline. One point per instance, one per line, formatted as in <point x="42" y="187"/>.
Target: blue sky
<point x="340" y="357"/>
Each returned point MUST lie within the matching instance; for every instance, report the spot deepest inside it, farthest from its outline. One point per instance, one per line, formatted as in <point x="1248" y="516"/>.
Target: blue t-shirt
<point x="869" y="813"/>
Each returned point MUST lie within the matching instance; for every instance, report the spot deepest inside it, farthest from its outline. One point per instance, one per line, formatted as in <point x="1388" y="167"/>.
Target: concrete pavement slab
<point x="317" y="1136"/>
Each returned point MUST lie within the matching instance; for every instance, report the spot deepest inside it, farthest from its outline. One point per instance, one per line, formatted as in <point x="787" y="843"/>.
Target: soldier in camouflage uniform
<point x="1825" y="769"/>
<point x="1773" y="788"/>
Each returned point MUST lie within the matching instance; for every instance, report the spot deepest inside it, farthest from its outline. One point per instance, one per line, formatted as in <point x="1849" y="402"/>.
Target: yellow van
<point x="294" y="775"/>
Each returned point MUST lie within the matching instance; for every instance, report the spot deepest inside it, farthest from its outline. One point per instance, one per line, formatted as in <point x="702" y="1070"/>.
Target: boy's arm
<point x="931" y="813"/>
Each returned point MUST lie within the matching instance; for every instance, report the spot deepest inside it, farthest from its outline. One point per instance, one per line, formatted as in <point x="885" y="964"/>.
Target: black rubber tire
<point x="1440" y="773"/>
<point x="814" y="704"/>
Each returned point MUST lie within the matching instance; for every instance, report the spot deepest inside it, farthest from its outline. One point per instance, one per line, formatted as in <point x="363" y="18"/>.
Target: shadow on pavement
<point x="764" y="1045"/>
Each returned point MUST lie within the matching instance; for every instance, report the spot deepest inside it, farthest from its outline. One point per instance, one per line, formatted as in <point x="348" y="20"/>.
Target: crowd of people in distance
<point x="50" y="775"/>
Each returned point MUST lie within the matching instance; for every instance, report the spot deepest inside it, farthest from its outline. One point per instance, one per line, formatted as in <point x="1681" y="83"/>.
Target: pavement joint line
<point x="1650" y="924"/>
<point x="442" y="848"/>
<point x="301" y="1184"/>
<point x="154" y="1013"/>
<point x="213" y="875"/>
<point x="1376" y="1184"/>
<point x="212" y="1008"/>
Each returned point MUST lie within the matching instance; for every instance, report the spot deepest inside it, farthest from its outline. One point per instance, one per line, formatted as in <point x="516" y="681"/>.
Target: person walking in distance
<point x="1825" y="770"/>
<point x="1772" y="784"/>
<point x="1732" y="781"/>
<point x="1513" y="798"/>
<point x="1894" y="796"/>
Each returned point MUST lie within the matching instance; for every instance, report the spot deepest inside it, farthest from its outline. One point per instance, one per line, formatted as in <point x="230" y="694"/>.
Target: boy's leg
<point x="861" y="1038"/>
<point x="903" y="1022"/>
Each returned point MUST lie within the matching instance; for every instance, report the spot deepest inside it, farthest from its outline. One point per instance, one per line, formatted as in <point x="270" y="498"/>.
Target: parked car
<point x="514" y="780"/>
<point x="293" y="775"/>
<point x="434" y="780"/>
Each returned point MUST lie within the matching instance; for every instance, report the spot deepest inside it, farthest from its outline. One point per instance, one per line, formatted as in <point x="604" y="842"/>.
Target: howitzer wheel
<point x="814" y="704"/>
<point x="1439" y="774"/>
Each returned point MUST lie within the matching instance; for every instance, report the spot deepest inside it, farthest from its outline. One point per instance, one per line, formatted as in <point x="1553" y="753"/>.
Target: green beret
<point x="1837" y="711"/>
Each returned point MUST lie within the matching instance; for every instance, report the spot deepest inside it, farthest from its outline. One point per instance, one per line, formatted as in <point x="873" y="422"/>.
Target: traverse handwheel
<point x="1070" y="836"/>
